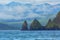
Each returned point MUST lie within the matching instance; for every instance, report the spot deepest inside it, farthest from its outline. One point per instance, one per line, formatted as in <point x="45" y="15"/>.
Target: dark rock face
<point x="24" y="26"/>
<point x="35" y="25"/>
<point x="57" y="19"/>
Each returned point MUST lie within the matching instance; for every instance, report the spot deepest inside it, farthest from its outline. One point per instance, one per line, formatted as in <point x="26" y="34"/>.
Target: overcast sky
<point x="31" y="1"/>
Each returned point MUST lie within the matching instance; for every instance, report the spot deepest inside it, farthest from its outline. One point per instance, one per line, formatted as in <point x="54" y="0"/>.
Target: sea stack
<point x="35" y="25"/>
<point x="25" y="26"/>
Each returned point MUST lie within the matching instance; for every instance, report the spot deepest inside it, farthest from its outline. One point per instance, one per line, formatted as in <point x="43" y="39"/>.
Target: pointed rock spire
<point x="24" y="26"/>
<point x="49" y="24"/>
<point x="35" y="25"/>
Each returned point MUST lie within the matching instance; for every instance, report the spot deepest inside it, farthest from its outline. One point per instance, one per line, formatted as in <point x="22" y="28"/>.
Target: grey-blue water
<point x="29" y="35"/>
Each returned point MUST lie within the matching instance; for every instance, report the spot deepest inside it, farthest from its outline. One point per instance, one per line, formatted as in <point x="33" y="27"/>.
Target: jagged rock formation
<point x="35" y="25"/>
<point x="55" y="24"/>
<point x="50" y="24"/>
<point x="24" y="26"/>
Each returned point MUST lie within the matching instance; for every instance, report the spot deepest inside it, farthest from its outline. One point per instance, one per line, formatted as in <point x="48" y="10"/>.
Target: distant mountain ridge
<point x="8" y="27"/>
<point x="22" y="11"/>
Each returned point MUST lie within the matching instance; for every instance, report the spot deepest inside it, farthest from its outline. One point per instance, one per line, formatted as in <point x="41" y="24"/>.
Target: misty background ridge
<point x="18" y="12"/>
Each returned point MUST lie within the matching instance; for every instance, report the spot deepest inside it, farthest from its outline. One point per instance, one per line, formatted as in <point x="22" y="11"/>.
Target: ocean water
<point x="29" y="35"/>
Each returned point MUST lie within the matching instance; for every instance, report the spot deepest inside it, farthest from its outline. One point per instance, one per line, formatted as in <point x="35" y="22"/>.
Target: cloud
<point x="54" y="3"/>
<point x="5" y="16"/>
<point x="17" y="12"/>
<point x="33" y="15"/>
<point x="4" y="1"/>
<point x="30" y="1"/>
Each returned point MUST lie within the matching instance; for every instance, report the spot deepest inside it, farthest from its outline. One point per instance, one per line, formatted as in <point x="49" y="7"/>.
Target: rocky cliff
<point x="57" y="19"/>
<point x="55" y="24"/>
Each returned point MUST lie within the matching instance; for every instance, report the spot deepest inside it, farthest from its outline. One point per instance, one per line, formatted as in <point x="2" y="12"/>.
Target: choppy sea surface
<point x="29" y="35"/>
